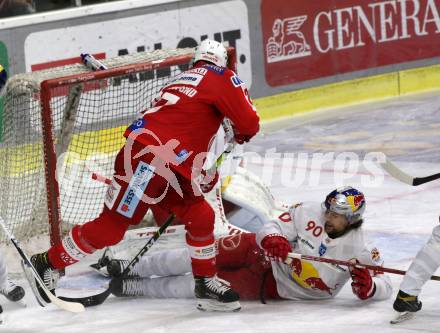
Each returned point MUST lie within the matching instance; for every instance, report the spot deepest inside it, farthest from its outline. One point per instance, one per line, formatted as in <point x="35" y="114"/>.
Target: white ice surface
<point x="399" y="219"/>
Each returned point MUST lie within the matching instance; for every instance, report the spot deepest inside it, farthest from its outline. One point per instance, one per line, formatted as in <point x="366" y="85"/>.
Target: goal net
<point x="61" y="126"/>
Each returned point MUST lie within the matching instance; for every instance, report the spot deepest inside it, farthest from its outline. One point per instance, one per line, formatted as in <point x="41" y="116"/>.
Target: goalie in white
<point x="330" y="230"/>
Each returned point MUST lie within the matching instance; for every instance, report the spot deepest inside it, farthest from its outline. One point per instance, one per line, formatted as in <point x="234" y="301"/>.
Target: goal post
<point x="61" y="125"/>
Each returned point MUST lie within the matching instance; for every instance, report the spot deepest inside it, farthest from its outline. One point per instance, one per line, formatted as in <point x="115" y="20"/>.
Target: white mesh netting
<point x="88" y="120"/>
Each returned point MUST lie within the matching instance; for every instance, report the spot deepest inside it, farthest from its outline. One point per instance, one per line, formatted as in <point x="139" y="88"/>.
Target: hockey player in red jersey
<point x="162" y="164"/>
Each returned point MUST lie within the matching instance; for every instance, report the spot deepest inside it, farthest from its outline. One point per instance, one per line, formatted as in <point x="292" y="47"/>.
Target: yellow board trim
<point x="346" y="93"/>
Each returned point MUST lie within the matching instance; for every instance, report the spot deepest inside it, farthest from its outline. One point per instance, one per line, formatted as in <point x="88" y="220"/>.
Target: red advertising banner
<point x="306" y="40"/>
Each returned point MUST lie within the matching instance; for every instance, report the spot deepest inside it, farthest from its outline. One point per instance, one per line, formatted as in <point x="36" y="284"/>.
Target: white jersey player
<point x="331" y="230"/>
<point x="422" y="268"/>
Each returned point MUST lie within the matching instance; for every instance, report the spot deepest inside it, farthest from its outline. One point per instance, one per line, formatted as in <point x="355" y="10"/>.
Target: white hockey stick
<point x="397" y="173"/>
<point x="68" y="306"/>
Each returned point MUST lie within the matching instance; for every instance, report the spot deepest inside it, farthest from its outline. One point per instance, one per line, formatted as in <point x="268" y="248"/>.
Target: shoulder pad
<point x="215" y="69"/>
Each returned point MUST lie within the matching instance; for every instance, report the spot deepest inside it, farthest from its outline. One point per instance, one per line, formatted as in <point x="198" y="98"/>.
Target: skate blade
<point x="213" y="305"/>
<point x="402" y="316"/>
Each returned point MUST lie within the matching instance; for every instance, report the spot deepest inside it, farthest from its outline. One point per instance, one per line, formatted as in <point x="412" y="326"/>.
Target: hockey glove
<point x="363" y="285"/>
<point x="241" y="138"/>
<point x="276" y="247"/>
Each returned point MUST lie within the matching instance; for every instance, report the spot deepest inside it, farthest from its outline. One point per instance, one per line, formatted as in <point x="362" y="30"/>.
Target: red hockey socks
<point x="202" y="254"/>
<point x="70" y="250"/>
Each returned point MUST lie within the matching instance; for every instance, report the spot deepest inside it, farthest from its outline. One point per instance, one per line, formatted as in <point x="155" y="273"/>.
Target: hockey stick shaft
<point x="100" y="298"/>
<point x="379" y="269"/>
<point x="149" y="244"/>
<point x="399" y="174"/>
<point x="65" y="305"/>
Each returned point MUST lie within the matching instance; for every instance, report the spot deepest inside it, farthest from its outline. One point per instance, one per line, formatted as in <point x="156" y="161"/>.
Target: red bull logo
<point x="305" y="274"/>
<point x="358" y="199"/>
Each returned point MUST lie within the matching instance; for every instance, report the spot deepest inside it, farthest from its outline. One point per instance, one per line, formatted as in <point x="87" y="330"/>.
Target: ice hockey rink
<point x="398" y="220"/>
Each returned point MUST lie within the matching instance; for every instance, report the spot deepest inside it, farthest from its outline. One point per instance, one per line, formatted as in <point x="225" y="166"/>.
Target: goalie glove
<point x="362" y="285"/>
<point x="276" y="247"/>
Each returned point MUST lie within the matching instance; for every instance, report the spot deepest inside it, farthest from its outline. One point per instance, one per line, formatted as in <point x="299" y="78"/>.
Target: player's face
<point x="335" y="224"/>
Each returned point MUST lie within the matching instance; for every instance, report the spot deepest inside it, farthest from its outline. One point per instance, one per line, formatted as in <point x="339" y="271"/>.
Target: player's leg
<point x="241" y="250"/>
<point x="122" y="207"/>
<point x="179" y="286"/>
<point x="422" y="268"/>
<point x="212" y="293"/>
<point x="8" y="288"/>
<point x="160" y="263"/>
<point x="241" y="262"/>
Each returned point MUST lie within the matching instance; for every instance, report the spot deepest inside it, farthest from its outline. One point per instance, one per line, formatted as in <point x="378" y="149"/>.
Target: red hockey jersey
<point x="188" y="111"/>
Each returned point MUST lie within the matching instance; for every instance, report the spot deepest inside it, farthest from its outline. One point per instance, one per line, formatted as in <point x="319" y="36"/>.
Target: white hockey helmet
<point x="211" y="51"/>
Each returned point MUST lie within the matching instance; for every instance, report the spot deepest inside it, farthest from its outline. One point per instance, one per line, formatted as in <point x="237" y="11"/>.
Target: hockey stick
<point x="62" y="304"/>
<point x="379" y="269"/>
<point x="397" y="173"/>
<point x="100" y="298"/>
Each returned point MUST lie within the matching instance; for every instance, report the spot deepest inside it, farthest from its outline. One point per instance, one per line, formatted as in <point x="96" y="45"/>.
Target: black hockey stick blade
<point x="91" y="300"/>
<point x="422" y="180"/>
<point x="399" y="174"/>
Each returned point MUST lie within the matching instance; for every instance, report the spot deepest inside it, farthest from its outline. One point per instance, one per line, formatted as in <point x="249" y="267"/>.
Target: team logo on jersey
<point x="236" y="81"/>
<point x="322" y="249"/>
<point x="304" y="274"/>
<point x="135" y="190"/>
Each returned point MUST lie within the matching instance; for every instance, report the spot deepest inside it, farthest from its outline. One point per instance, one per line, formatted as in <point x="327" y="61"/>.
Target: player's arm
<point x="276" y="236"/>
<point x="369" y="285"/>
<point x="235" y="103"/>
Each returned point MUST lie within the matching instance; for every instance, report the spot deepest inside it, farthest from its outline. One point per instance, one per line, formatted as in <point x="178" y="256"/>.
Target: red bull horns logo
<point x="305" y="274"/>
